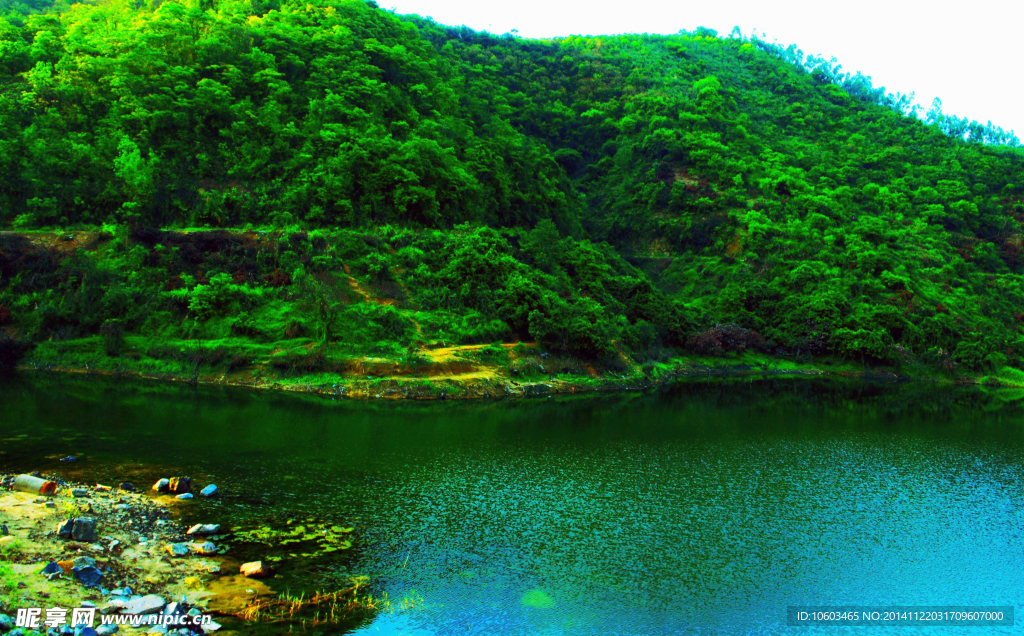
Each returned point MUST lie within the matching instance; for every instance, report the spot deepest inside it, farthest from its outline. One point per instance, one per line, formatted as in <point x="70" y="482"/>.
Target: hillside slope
<point x="618" y="200"/>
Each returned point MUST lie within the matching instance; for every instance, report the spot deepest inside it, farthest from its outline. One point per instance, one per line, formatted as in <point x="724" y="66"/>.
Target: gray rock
<point x="85" y="530"/>
<point x="209" y="491"/>
<point x="64" y="529"/>
<point x="6" y="623"/>
<point x="83" y="561"/>
<point x="179" y="485"/>
<point x="172" y="608"/>
<point x="114" y="606"/>
<point x="106" y="630"/>
<point x="205" y="548"/>
<point x="211" y="627"/>
<point x="149" y="604"/>
<point x="162" y="485"/>
<point x="178" y="549"/>
<point x="255" y="570"/>
<point x="186" y="495"/>
<point x="88" y="575"/>
<point x="204" y="529"/>
<point x="79" y="492"/>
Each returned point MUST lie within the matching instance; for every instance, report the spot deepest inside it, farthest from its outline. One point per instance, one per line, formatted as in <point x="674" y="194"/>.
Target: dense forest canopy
<point x="649" y="194"/>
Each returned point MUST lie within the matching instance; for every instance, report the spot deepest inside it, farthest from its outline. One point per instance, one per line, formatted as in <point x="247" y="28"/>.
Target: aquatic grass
<point x="318" y="608"/>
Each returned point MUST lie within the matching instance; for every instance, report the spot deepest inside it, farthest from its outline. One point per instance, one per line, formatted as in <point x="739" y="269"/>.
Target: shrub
<point x="112" y="332"/>
<point x="721" y="339"/>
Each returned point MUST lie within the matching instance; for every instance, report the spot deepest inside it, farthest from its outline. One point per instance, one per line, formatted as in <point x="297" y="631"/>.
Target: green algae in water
<point x="537" y="599"/>
<point x="318" y="538"/>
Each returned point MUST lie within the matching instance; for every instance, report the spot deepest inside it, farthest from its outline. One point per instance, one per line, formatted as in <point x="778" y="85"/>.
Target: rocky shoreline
<point x="111" y="548"/>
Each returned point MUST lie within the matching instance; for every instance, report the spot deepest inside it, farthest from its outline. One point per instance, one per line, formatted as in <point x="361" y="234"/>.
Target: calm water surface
<point x="701" y="509"/>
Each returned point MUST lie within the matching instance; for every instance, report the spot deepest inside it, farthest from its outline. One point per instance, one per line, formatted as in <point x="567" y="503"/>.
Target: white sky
<point x="968" y="54"/>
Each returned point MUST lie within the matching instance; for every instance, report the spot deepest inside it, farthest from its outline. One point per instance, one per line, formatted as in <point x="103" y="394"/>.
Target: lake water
<point x="697" y="509"/>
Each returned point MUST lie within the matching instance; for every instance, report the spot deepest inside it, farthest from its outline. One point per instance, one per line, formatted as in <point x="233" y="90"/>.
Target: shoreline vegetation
<point x="356" y="338"/>
<point x="497" y="386"/>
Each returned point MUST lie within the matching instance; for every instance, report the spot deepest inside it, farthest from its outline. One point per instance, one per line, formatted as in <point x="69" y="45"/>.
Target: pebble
<point x="88" y="575"/>
<point x="187" y="495"/>
<point x="255" y="570"/>
<point x="206" y="548"/>
<point x="102" y="488"/>
<point x="79" y="492"/>
<point x="149" y="604"/>
<point x="204" y="529"/>
<point x="162" y="485"/>
<point x="106" y="630"/>
<point x="180" y="484"/>
<point x="84" y="529"/>
<point x="84" y="561"/>
<point x="209" y="491"/>
<point x="177" y="549"/>
<point x="64" y="529"/>
<point x="127" y="486"/>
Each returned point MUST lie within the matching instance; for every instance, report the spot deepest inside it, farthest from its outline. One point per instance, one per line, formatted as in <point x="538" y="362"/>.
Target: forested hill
<point x="647" y="195"/>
